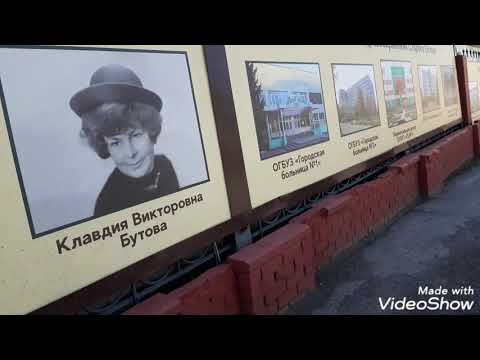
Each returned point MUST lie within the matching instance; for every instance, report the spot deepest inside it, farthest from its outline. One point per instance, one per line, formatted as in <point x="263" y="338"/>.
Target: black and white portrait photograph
<point x="95" y="131"/>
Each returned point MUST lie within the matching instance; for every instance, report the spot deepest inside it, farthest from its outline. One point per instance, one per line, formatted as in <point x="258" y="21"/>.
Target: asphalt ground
<point x="436" y="244"/>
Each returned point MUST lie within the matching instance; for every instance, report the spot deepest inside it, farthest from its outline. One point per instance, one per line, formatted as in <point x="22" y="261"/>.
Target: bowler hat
<point x="113" y="83"/>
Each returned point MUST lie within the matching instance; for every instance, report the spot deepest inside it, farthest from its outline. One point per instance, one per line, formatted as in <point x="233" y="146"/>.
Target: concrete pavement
<point x="436" y="244"/>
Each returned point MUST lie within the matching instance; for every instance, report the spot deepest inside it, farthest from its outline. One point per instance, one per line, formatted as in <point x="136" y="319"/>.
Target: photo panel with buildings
<point x="474" y="96"/>
<point x="399" y="92"/>
<point x="450" y="85"/>
<point x="473" y="69"/>
<point x="356" y="96"/>
<point x="287" y="104"/>
<point x="106" y="153"/>
<point x="305" y="113"/>
<point x="428" y="79"/>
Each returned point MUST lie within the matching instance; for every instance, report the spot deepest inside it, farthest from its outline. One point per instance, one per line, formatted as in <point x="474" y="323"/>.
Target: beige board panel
<point x="339" y="152"/>
<point x="473" y="69"/>
<point x="33" y="273"/>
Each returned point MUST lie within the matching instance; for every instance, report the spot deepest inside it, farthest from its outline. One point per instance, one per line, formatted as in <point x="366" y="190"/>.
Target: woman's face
<point x="132" y="152"/>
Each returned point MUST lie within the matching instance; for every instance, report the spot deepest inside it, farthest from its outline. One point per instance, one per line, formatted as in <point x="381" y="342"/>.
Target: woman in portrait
<point x="121" y="120"/>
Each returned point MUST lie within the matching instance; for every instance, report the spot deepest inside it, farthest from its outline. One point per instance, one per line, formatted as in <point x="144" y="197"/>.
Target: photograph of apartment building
<point x="399" y="92"/>
<point x="288" y="106"/>
<point x="356" y="97"/>
<point x="428" y="77"/>
<point x="474" y="96"/>
<point x="450" y="86"/>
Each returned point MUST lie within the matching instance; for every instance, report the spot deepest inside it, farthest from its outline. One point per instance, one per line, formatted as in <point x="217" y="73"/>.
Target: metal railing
<point x="472" y="54"/>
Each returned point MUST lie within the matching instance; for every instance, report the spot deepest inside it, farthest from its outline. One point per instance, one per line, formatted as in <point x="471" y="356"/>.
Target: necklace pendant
<point x="154" y="186"/>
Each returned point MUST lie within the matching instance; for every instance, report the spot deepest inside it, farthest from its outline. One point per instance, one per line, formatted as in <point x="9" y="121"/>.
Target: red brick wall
<point x="439" y="160"/>
<point x="275" y="270"/>
<point x="265" y="276"/>
<point x="212" y="293"/>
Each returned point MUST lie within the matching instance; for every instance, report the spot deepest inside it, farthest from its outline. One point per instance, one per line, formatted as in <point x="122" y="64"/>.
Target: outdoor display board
<point x="107" y="155"/>
<point x="473" y="69"/>
<point x="307" y="112"/>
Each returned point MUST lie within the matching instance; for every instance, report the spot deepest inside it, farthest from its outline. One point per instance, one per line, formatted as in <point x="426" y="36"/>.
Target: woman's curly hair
<point x="110" y="119"/>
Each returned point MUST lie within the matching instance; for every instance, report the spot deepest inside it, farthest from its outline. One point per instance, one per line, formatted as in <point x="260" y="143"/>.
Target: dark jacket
<point x="121" y="191"/>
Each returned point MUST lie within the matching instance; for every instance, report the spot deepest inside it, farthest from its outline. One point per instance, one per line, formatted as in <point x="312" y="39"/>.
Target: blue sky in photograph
<point x="347" y="75"/>
<point x="285" y="76"/>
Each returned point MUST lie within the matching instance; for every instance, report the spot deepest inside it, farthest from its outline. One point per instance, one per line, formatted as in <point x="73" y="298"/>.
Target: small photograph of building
<point x="474" y="96"/>
<point x="428" y="77"/>
<point x="356" y="97"/>
<point x="450" y="86"/>
<point x="288" y="106"/>
<point x="399" y="92"/>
